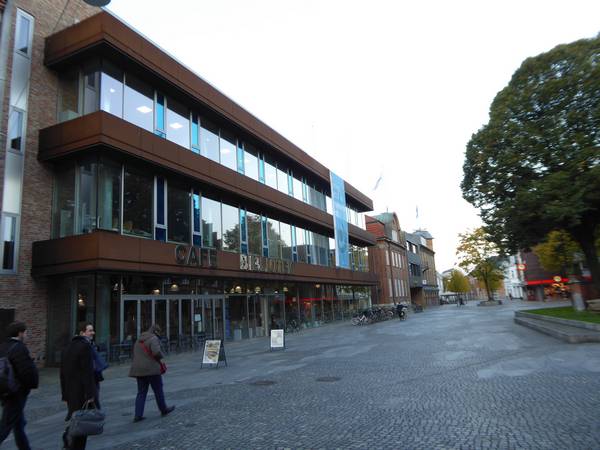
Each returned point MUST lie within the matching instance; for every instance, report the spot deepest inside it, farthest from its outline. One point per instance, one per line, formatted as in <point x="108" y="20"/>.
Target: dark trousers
<point x="13" y="419"/>
<point x="157" y="387"/>
<point x="74" y="443"/>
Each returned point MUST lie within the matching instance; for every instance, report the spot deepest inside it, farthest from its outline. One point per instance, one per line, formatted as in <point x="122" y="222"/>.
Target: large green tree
<point x="535" y="167"/>
<point x="478" y="255"/>
<point x="457" y="282"/>
<point x="557" y="253"/>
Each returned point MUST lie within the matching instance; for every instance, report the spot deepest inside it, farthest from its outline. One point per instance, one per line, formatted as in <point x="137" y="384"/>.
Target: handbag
<point x="163" y="366"/>
<point x="88" y="421"/>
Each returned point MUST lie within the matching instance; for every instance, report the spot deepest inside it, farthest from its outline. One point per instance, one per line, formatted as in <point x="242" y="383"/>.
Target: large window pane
<point x="270" y="173"/>
<point x="9" y="230"/>
<point x="22" y="35"/>
<point x="137" y="203"/>
<point x="298" y="189"/>
<point x="178" y="214"/>
<point x="68" y="96"/>
<point x="282" y="181"/>
<point x="15" y="130"/>
<point x="274" y="238"/>
<point x="286" y="241"/>
<point x="251" y="161"/>
<point x="301" y="245"/>
<point x="178" y="123"/>
<point x="209" y="140"/>
<point x="228" y="150"/>
<point x="86" y="207"/>
<point x="91" y="88"/>
<point x="111" y="89"/>
<point x="63" y="207"/>
<point x="138" y="103"/>
<point x="109" y="196"/>
<point x="254" y="234"/>
<point x="211" y="223"/>
<point x="231" y="228"/>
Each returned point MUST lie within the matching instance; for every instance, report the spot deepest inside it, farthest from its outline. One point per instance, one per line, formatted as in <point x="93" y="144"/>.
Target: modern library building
<point x="169" y="203"/>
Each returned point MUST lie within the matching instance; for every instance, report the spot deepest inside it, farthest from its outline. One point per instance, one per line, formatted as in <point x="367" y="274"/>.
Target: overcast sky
<point x="369" y="87"/>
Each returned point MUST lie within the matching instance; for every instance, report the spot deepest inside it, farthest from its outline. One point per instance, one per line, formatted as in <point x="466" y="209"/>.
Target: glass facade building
<point x="173" y="205"/>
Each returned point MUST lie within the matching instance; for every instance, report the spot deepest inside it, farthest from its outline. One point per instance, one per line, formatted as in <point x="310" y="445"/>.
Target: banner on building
<point x="340" y="221"/>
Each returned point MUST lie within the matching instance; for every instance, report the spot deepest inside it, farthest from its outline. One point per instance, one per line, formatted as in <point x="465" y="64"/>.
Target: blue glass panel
<point x="266" y="252"/>
<point x="245" y="249"/>
<point x="290" y="180"/>
<point x="160" y="200"/>
<point x="160" y="112"/>
<point x="264" y="230"/>
<point x="244" y="235"/>
<point x="261" y="170"/>
<point x="196" y="203"/>
<point x="160" y="234"/>
<point x="240" y="159"/>
<point x="195" y="133"/>
<point x="197" y="239"/>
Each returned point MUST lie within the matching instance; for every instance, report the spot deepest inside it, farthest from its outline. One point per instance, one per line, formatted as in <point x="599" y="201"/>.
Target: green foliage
<point x="567" y="312"/>
<point x="557" y="252"/>
<point x="457" y="282"/>
<point x="478" y="255"/>
<point x="535" y="167"/>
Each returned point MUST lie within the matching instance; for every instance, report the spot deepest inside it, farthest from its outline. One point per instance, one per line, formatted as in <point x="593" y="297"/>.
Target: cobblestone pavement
<point x="448" y="378"/>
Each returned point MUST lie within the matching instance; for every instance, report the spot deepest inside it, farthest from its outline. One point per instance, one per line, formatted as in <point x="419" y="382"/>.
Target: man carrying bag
<point x="79" y="390"/>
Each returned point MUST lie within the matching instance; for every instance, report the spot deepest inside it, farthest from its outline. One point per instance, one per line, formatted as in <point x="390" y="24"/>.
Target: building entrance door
<point x="180" y="317"/>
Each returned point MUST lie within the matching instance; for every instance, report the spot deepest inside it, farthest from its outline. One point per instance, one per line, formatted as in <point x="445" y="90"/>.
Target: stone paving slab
<point x="448" y="378"/>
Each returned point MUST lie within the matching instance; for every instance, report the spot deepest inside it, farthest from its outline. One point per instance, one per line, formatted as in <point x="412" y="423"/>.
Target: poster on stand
<point x="211" y="352"/>
<point x="277" y="339"/>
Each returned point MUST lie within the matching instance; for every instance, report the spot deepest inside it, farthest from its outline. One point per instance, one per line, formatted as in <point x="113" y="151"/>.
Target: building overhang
<point x="104" y="132"/>
<point x="105" y="35"/>
<point x="112" y="252"/>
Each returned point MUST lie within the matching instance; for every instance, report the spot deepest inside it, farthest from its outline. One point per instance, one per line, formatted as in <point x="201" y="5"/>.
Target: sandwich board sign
<point x="214" y="352"/>
<point x="277" y="339"/>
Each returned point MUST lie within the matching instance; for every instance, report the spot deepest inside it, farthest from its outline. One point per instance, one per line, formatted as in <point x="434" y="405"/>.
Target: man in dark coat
<point x="78" y="378"/>
<point x="26" y="374"/>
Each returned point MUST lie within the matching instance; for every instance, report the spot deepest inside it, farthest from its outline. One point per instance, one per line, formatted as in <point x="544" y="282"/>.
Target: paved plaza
<point x="451" y="377"/>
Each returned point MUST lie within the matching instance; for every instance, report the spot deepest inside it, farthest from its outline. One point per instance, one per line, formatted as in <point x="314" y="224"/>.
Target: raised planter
<point x="569" y="322"/>
<point x="489" y="303"/>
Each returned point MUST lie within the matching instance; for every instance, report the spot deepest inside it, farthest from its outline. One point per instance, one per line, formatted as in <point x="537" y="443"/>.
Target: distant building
<point x="514" y="279"/>
<point x="388" y="259"/>
<point x="424" y="288"/>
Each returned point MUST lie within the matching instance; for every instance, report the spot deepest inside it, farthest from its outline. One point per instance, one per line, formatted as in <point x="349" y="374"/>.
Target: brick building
<point x="423" y="281"/>
<point x="388" y="259"/>
<point x="28" y="95"/>
<point x="135" y="193"/>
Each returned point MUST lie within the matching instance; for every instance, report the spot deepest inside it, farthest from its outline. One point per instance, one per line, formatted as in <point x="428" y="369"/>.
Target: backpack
<point x="8" y="382"/>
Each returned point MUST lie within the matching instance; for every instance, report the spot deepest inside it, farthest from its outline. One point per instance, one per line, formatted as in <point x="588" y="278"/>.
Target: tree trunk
<point x="588" y="246"/>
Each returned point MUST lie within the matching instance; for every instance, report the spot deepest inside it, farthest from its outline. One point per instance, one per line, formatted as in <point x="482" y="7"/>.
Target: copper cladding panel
<point x="108" y="251"/>
<point x="105" y="30"/>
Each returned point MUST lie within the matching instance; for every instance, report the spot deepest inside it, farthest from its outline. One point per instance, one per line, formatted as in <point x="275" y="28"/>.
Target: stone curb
<point x="569" y="322"/>
<point x="547" y="328"/>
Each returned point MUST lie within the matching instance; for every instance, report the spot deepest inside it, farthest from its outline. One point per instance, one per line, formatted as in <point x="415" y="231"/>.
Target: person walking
<point x="78" y="380"/>
<point x="147" y="369"/>
<point x="26" y="375"/>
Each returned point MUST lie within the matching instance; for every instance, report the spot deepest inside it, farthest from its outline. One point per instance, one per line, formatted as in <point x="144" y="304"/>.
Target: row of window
<point x="414" y="270"/>
<point x="106" y="195"/>
<point x="411" y="247"/>
<point x="395" y="259"/>
<point x="100" y="85"/>
<point x="401" y="288"/>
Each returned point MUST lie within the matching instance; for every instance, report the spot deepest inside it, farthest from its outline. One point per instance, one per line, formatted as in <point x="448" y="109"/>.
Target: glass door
<point x="130" y="320"/>
<point x="208" y="317"/>
<point x="218" y="327"/>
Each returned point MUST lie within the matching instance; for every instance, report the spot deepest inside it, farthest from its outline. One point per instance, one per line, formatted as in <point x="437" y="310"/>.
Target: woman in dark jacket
<point x="78" y="378"/>
<point x="145" y="368"/>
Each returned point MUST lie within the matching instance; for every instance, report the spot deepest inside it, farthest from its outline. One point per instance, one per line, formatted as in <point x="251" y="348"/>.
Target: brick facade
<point x="28" y="296"/>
